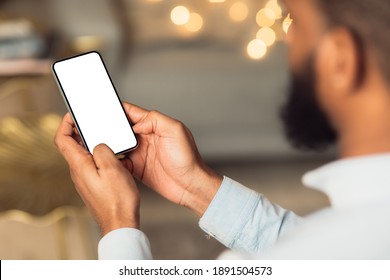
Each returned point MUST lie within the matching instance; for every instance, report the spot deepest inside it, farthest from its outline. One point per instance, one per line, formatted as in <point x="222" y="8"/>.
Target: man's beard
<point x="306" y="125"/>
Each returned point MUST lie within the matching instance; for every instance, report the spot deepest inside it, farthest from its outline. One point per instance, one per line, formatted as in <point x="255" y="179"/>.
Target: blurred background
<point x="220" y="66"/>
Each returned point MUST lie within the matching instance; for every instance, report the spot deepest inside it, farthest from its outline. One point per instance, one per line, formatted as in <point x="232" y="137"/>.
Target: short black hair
<point x="369" y="23"/>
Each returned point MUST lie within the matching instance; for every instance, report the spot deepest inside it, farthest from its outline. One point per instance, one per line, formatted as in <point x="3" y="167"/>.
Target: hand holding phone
<point x="101" y="181"/>
<point x="94" y="104"/>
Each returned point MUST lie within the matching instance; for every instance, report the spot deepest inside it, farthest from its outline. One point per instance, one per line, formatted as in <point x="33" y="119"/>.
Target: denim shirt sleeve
<point x="124" y="244"/>
<point x="245" y="220"/>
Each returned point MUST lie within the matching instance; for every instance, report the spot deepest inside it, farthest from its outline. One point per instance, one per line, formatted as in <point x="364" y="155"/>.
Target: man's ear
<point x="341" y="55"/>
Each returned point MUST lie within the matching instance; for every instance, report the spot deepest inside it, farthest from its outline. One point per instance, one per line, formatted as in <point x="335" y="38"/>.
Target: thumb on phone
<point x="105" y="158"/>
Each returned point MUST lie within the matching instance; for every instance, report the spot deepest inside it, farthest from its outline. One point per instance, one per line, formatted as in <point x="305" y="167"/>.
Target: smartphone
<point x="93" y="102"/>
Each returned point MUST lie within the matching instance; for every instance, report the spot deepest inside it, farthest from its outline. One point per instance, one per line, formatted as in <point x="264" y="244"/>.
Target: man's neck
<point x="368" y="131"/>
<point x="368" y="144"/>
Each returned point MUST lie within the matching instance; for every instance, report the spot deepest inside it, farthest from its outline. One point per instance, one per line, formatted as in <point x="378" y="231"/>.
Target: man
<point x="340" y="92"/>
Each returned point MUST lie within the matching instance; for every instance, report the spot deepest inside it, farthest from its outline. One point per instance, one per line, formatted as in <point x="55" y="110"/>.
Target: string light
<point x="274" y="6"/>
<point x="267" y="35"/>
<point x="195" y="23"/>
<point x="256" y="49"/>
<point x="265" y="17"/>
<point x="180" y="15"/>
<point x="238" y="11"/>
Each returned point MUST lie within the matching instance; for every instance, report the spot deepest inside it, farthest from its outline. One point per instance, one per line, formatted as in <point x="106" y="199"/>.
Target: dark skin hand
<point x="106" y="187"/>
<point x="166" y="160"/>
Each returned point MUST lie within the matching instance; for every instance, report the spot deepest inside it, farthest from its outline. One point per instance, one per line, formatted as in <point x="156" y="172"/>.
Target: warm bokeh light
<point x="88" y="43"/>
<point x="180" y="15"/>
<point x="256" y="49"/>
<point x="274" y="6"/>
<point x="238" y="11"/>
<point x="287" y="23"/>
<point x="267" y="35"/>
<point x="195" y="23"/>
<point x="265" y="17"/>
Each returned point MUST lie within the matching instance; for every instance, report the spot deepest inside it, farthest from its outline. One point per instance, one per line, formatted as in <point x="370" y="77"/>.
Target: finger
<point x="64" y="135"/>
<point x="105" y="158"/>
<point x="145" y="121"/>
<point x="134" y="112"/>
<point x="76" y="136"/>
<point x="76" y="131"/>
<point x="73" y="153"/>
<point x="146" y="126"/>
<point x="157" y="123"/>
<point x="78" y="139"/>
<point x="67" y="126"/>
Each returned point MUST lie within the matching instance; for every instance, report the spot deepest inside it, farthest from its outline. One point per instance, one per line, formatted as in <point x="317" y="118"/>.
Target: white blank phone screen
<point x="94" y="103"/>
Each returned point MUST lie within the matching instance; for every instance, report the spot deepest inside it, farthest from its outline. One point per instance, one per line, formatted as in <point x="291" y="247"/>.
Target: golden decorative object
<point x="33" y="175"/>
<point x="64" y="233"/>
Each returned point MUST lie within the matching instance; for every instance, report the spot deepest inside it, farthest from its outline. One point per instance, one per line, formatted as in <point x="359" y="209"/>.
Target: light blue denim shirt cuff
<point x="124" y="244"/>
<point x="229" y="211"/>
